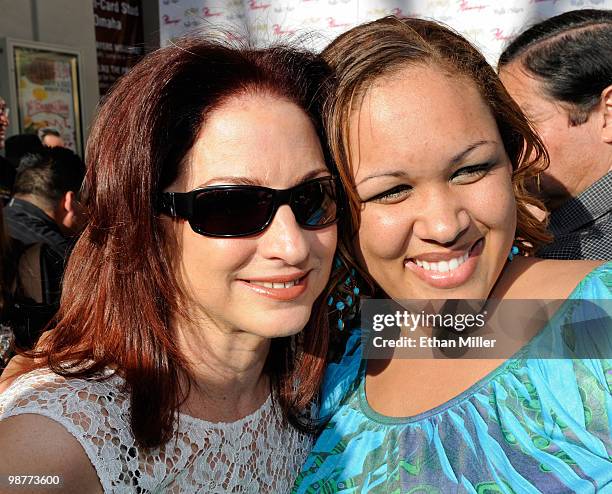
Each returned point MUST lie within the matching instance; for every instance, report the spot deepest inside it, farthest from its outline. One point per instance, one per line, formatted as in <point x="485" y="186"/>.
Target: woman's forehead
<point x="419" y="117"/>
<point x="264" y="139"/>
<point x="420" y="102"/>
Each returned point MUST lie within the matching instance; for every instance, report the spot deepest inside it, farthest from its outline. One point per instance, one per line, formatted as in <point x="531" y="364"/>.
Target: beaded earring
<point x="345" y="296"/>
<point x="513" y="252"/>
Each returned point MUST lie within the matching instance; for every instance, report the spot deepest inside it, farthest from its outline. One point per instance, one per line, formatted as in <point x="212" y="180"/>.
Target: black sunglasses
<point x="242" y="210"/>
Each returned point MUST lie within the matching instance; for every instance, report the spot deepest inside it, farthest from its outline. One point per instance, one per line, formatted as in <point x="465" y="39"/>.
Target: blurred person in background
<point x="19" y="145"/>
<point x="7" y="270"/>
<point x="7" y="171"/>
<point x="45" y="206"/>
<point x="560" y="73"/>
<point x="43" y="218"/>
<point x="4" y="121"/>
<point x="51" y="138"/>
<point x="16" y="147"/>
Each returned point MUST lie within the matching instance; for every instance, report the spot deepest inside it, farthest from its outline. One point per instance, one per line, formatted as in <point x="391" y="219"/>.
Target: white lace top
<point x="255" y="454"/>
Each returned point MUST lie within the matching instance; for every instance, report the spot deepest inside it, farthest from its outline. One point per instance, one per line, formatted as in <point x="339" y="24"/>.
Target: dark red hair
<point x="121" y="291"/>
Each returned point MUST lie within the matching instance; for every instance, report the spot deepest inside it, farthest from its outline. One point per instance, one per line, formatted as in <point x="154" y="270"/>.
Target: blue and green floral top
<point x="532" y="425"/>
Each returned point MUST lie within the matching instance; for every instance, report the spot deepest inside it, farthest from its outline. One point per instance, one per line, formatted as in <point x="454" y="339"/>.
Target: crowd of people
<point x="40" y="183"/>
<point x="200" y="286"/>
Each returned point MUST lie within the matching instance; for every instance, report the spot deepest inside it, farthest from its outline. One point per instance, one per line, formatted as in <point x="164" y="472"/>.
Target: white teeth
<point x="443" y="266"/>
<point x="266" y="284"/>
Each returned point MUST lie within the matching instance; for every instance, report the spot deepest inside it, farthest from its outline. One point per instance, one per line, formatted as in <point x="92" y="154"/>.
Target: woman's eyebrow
<point x="232" y="180"/>
<point x="389" y="173"/>
<point x="458" y="158"/>
<point x="312" y="174"/>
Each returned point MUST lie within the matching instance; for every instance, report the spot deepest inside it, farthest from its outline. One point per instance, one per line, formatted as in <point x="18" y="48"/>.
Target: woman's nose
<point x="442" y="219"/>
<point x="285" y="239"/>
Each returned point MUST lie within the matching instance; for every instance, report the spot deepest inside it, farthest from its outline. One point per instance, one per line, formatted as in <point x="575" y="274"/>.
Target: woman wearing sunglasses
<point x="190" y="341"/>
<point x="435" y="156"/>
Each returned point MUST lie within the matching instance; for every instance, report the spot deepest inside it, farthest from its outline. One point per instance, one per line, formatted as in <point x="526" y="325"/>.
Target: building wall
<point x="16" y="19"/>
<point x="61" y="22"/>
<point x="150" y="24"/>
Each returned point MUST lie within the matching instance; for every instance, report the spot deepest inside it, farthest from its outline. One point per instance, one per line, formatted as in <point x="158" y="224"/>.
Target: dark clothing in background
<point x="582" y="226"/>
<point x="28" y="224"/>
<point x="30" y="227"/>
<point x="29" y="317"/>
<point x="7" y="179"/>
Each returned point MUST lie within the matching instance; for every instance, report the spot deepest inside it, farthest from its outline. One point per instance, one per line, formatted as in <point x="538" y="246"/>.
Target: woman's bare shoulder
<point x="19" y="365"/>
<point x="33" y="444"/>
<point x="529" y="277"/>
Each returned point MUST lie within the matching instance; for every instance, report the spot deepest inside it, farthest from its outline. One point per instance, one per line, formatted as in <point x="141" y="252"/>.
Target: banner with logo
<point x="488" y="23"/>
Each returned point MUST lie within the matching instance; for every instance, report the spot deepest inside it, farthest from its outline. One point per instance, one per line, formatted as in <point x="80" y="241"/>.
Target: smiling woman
<point x="179" y="361"/>
<point x="434" y="155"/>
<point x="459" y="196"/>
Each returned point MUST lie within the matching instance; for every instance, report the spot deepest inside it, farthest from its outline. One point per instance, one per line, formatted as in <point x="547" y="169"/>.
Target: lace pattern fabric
<point x="7" y="340"/>
<point x="255" y="454"/>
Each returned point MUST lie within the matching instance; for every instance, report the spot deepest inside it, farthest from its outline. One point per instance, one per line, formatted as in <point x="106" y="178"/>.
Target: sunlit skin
<point x="432" y="171"/>
<point x="578" y="154"/>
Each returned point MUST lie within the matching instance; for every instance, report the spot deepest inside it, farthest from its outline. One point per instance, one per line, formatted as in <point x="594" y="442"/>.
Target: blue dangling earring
<point x="513" y="252"/>
<point x="345" y="296"/>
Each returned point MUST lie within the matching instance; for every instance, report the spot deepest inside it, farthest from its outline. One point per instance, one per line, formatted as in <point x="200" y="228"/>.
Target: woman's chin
<point x="278" y="325"/>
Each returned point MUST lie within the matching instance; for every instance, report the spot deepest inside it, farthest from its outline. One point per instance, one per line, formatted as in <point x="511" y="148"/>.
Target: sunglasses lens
<point x="314" y="204"/>
<point x="232" y="212"/>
